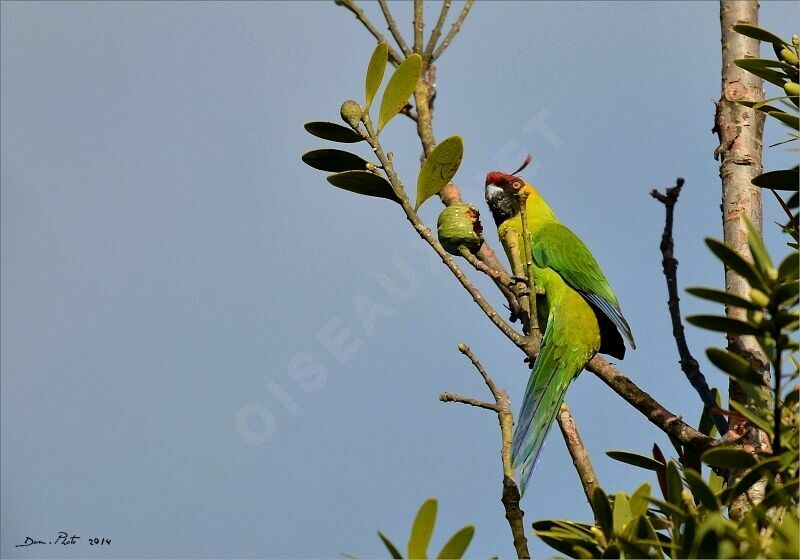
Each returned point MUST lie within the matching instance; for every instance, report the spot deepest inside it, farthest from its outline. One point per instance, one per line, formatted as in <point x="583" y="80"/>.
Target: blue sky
<point x="208" y="351"/>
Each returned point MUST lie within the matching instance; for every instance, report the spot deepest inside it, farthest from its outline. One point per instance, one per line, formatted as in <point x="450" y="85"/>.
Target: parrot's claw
<point x="520" y="279"/>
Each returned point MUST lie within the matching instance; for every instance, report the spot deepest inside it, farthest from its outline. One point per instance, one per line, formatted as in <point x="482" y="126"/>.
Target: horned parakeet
<point x="580" y="314"/>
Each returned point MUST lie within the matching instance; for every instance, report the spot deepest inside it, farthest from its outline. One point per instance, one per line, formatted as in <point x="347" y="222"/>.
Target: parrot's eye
<point x="516" y="185"/>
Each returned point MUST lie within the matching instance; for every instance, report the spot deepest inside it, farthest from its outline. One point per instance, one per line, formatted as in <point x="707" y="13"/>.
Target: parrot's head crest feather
<point x="506" y="179"/>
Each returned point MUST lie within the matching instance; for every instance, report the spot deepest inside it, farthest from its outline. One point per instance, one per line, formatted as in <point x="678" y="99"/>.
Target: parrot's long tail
<point x="555" y="368"/>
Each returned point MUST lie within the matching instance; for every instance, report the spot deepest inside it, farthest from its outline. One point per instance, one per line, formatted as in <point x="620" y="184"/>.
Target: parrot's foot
<point x="520" y="280"/>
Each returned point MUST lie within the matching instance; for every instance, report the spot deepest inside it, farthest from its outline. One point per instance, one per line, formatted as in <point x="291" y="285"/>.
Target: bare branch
<point x="453" y="30"/>
<point x="354" y="8"/>
<point x="437" y="31"/>
<point x="393" y="29"/>
<point x="510" y="497"/>
<point x="689" y="365"/>
<point x="418" y="25"/>
<point x="580" y="457"/>
<point x="452" y="397"/>
<point x="665" y="420"/>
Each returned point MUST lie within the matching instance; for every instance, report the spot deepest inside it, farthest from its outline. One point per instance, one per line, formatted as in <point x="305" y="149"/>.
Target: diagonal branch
<point x="453" y="30"/>
<point x="502" y="406"/>
<point x="665" y="420"/>
<point x="437" y="31"/>
<point x="689" y="364"/>
<point x="356" y="10"/>
<point x="393" y="29"/>
<point x="580" y="457"/>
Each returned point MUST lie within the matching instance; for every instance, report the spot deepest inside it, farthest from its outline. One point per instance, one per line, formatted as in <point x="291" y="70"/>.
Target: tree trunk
<point x="740" y="131"/>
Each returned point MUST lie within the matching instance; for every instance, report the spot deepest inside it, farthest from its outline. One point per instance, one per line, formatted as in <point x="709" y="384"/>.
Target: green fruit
<point x="351" y="113"/>
<point x="759" y="298"/>
<point x="459" y="224"/>
<point x="792" y="89"/>
<point x="788" y="56"/>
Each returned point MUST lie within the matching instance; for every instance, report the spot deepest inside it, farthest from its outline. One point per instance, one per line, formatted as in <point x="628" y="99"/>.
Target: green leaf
<point x="638" y="501"/>
<point x="754" y="418"/>
<point x="736" y="262"/>
<point x="701" y="491"/>
<point x="786" y="293"/>
<point x="668" y="509"/>
<point x="792" y="121"/>
<point x="706" y="425"/>
<point x="734" y="365"/>
<point x="602" y="512"/>
<point x="782" y="180"/>
<point x="749" y="477"/>
<point x="674" y="484"/>
<point x="755" y="32"/>
<point x="390" y="547"/>
<point x="332" y="131"/>
<point x="722" y="324"/>
<point x="788" y="269"/>
<point x="622" y="513"/>
<point x="422" y="530"/>
<point x="439" y="169"/>
<point x="375" y="71"/>
<point x="760" y="254"/>
<point x="458" y="543"/>
<point x="363" y="182"/>
<point x="715" y="482"/>
<point x="334" y="160"/>
<point x="636" y="460"/>
<point x="728" y="458"/>
<point x="723" y="297"/>
<point x="756" y="67"/>
<point x="401" y="85"/>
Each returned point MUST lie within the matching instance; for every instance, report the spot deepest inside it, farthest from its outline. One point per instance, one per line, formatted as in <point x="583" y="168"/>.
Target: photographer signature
<point x="65" y="539"/>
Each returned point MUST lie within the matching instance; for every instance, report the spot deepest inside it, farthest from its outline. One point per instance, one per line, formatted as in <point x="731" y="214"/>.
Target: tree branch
<point x="580" y="457"/>
<point x="689" y="365"/>
<point x="354" y="8"/>
<point x="418" y="24"/>
<point x="437" y="31"/>
<point x="393" y="29"/>
<point x="453" y="30"/>
<point x="502" y="406"/>
<point x="665" y="420"/>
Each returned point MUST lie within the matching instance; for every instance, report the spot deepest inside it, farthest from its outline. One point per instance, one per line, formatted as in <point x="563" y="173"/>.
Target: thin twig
<point x="689" y="365"/>
<point x="665" y="420"/>
<point x="511" y="289"/>
<point x="578" y="452"/>
<point x="453" y="30"/>
<point x="393" y="29"/>
<point x="787" y="210"/>
<point x="452" y="397"/>
<point x="437" y="31"/>
<point x="351" y="5"/>
<point x="418" y="24"/>
<point x="510" y="497"/>
<point x="408" y="111"/>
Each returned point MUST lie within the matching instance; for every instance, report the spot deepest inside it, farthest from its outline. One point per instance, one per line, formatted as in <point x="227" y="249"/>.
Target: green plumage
<point x="583" y="314"/>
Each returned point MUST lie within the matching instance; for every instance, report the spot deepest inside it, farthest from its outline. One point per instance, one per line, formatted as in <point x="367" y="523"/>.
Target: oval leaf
<point x="458" y="543"/>
<point x="422" y="530"/>
<point x="622" y="513"/>
<point x="334" y="160"/>
<point x="728" y="458"/>
<point x="783" y="180"/>
<point x="755" y="66"/>
<point x="720" y="296"/>
<point x="332" y="131"/>
<point x="722" y="324"/>
<point x="701" y="491"/>
<point x="755" y="32"/>
<point x="734" y="365"/>
<point x="674" y="484"/>
<point x="788" y="269"/>
<point x="390" y="547"/>
<point x="363" y="182"/>
<point x="375" y="71"/>
<point x="439" y="169"/>
<point x="792" y="121"/>
<point x="401" y="85"/>
<point x="636" y="460"/>
<point x="736" y="262"/>
<point x="757" y="248"/>
<point x="602" y="512"/>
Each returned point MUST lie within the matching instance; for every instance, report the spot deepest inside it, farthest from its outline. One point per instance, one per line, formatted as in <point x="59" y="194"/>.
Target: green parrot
<point x="579" y="313"/>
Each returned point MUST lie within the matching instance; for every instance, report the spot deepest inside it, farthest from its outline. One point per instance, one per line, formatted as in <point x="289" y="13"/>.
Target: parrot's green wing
<point x="556" y="247"/>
